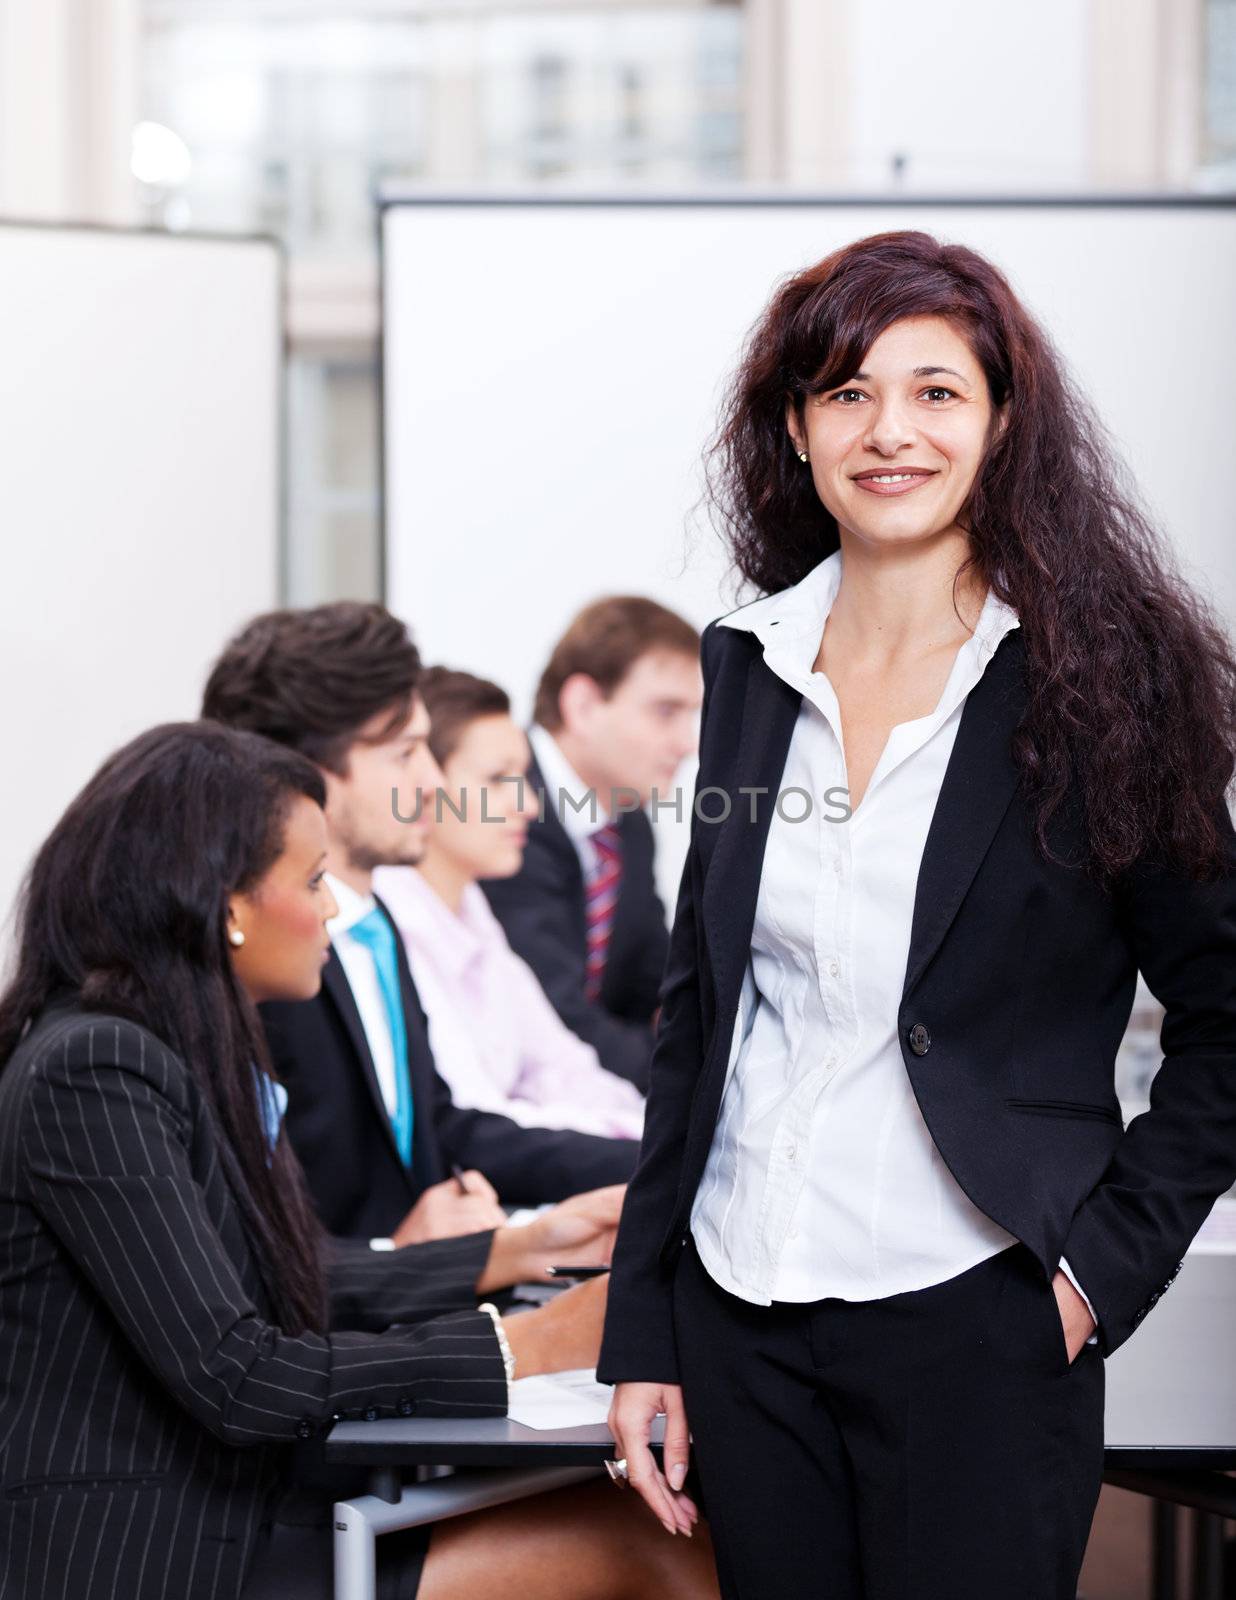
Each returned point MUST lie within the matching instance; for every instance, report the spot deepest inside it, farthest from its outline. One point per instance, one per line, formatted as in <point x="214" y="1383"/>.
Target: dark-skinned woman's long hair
<point x="126" y="907"/>
<point x="1131" y="682"/>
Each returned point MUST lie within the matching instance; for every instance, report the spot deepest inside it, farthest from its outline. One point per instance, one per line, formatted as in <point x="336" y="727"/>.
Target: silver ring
<point x="618" y="1472"/>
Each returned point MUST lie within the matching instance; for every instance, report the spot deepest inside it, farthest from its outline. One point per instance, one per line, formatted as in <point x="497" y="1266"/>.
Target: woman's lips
<point x="905" y="487"/>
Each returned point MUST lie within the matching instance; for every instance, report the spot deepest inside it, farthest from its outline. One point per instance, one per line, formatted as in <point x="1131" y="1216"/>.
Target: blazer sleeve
<point x="1129" y="1236"/>
<point x="377" y="1288"/>
<point x="530" y="909"/>
<point x="638" y="1342"/>
<point x="106" y="1130"/>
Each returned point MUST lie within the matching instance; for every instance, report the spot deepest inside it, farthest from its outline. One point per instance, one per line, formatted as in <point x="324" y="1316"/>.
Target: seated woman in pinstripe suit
<point x="177" y="1336"/>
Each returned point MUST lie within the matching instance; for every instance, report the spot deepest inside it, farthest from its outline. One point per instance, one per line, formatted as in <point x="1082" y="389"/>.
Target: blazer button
<point x="304" y="1429"/>
<point x="372" y="1413"/>
<point x="406" y="1407"/>
<point x="920" y="1039"/>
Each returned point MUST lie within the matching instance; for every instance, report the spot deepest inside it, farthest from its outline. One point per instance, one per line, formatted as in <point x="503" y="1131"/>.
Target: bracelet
<point x="504" y="1344"/>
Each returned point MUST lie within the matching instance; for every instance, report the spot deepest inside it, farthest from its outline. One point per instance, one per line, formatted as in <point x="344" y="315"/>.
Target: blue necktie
<point x="376" y="934"/>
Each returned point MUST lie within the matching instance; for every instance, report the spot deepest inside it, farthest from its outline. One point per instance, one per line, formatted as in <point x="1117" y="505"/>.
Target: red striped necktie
<point x="601" y="898"/>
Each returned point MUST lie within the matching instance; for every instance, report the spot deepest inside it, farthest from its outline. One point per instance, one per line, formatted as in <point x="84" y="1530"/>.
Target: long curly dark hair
<point x="125" y="907"/>
<point x="1131" y="681"/>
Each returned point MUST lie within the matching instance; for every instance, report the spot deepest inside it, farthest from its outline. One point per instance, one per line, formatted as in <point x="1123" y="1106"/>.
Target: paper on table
<point x="560" y="1400"/>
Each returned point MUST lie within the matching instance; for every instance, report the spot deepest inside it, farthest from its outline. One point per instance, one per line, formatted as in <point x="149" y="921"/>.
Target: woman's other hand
<point x="578" y="1233"/>
<point x="635" y="1407"/>
<point x="444" y="1211"/>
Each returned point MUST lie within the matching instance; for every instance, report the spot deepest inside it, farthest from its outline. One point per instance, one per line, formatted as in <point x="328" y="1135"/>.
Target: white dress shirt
<point x="822" y="1178"/>
<point x="361" y="971"/>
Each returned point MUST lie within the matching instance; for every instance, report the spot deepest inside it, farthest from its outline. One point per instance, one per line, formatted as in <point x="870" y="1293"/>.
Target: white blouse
<point x="822" y="1178"/>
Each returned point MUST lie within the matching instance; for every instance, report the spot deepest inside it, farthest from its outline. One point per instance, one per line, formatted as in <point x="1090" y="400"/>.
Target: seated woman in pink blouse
<point x="496" y="1038"/>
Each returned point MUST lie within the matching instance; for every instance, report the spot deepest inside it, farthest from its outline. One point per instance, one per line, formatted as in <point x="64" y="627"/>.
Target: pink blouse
<point x="496" y="1038"/>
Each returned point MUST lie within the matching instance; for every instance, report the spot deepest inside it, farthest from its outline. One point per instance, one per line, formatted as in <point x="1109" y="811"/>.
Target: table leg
<point x="1207" y="1556"/>
<point x="1164" y="1549"/>
<point x="386" y="1483"/>
<point x="356" y="1572"/>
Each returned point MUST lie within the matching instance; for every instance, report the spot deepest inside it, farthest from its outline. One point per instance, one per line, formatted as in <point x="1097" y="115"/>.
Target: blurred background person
<point x="615" y="717"/>
<point x="373" y="1124"/>
<point x="496" y="1039"/>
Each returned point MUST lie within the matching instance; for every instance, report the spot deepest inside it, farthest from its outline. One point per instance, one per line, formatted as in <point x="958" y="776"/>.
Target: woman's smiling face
<point x="919" y="407"/>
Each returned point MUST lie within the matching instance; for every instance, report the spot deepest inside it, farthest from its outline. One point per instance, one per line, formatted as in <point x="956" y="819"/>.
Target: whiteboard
<point x="552" y="369"/>
<point x="140" y="492"/>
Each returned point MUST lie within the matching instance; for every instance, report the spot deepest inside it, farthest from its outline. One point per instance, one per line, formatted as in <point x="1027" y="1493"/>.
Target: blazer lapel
<point x="732" y="876"/>
<point x="336" y="985"/>
<point x="552" y="828"/>
<point x="423" y="1080"/>
<point x="978" y="787"/>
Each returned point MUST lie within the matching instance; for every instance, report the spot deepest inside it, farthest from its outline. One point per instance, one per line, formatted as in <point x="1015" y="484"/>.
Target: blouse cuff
<point x="504" y="1344"/>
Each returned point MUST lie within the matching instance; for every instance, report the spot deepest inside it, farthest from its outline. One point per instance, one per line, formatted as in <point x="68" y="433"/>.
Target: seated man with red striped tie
<point x="387" y="1152"/>
<point x="616" y="715"/>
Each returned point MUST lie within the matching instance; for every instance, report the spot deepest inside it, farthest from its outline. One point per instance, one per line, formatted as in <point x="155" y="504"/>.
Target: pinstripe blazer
<point x="151" y="1417"/>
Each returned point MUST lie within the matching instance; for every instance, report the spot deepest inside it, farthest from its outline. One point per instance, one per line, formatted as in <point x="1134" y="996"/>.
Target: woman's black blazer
<point x="1018" y="990"/>
<point x="150" y="1414"/>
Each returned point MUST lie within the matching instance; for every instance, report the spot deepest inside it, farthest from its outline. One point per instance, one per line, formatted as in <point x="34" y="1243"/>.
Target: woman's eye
<point x="315" y="883"/>
<point x="935" y="389"/>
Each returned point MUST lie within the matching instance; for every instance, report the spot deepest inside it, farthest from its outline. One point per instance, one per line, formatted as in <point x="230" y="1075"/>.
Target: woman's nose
<point x="890" y="427"/>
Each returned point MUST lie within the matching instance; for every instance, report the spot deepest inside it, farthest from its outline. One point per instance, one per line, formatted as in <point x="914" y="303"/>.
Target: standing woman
<point x="962" y="775"/>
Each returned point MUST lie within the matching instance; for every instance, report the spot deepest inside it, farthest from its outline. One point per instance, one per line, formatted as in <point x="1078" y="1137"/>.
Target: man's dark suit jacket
<point x="543" y="912"/>
<point x="339" y="1127"/>
<point x="151" y="1415"/>
<point x="1018" y="989"/>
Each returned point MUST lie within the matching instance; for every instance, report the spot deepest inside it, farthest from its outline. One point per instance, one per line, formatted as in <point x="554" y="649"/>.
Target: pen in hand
<point x="576" y="1272"/>
<point x="457" y="1172"/>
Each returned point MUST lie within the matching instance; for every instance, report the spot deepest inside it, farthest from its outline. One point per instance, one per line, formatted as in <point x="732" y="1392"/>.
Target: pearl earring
<point x="802" y="455"/>
<point x="236" y="938"/>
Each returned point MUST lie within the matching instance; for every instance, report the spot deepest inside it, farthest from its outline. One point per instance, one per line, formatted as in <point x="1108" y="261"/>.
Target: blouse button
<point x="833" y="969"/>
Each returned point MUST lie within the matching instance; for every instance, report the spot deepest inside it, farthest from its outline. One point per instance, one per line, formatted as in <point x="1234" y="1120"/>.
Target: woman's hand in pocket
<point x="1075" y="1317"/>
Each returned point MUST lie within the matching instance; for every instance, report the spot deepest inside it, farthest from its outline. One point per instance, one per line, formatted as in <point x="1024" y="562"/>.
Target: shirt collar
<point x="451" y="940"/>
<point x="580" y="820"/>
<point x="352" y="906"/>
<point x="790" y="622"/>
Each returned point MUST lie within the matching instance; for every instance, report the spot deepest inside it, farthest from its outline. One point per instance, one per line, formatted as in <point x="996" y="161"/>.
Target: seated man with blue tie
<point x="616" y="715"/>
<point x="387" y="1154"/>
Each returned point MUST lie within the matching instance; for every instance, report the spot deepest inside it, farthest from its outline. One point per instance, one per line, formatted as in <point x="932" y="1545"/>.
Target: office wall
<point x="140" y="496"/>
<point x="552" y="371"/>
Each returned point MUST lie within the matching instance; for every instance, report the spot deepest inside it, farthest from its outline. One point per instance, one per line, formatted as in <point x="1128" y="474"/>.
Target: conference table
<point x="1170" y="1430"/>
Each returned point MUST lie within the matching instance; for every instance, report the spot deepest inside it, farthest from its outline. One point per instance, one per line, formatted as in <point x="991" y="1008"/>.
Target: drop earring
<point x="235" y="938"/>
